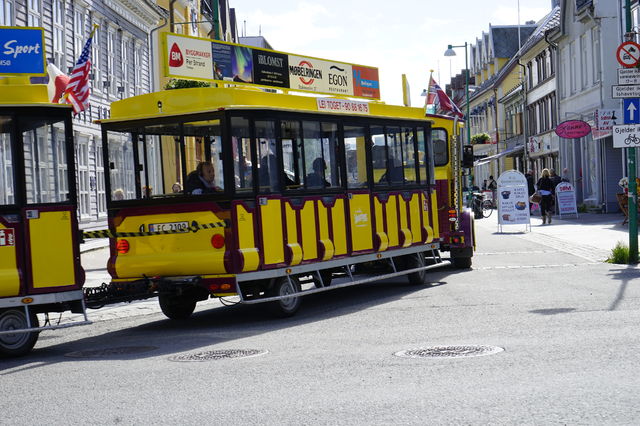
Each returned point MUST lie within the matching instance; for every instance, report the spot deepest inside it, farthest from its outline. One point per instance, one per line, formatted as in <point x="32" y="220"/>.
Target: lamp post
<point x="467" y="123"/>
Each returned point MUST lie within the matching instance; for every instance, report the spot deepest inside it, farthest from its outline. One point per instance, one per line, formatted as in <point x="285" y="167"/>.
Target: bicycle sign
<point x="626" y="136"/>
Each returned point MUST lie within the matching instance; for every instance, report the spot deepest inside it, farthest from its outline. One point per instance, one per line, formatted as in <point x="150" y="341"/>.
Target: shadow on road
<point x="623" y="274"/>
<point x="217" y="326"/>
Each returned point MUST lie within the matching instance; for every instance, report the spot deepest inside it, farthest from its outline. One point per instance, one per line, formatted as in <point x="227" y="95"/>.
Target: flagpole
<point x="93" y="30"/>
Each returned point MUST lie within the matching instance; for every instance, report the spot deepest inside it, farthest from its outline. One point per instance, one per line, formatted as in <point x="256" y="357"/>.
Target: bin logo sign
<point x="175" y="56"/>
<point x="22" y="51"/>
<point x="7" y="237"/>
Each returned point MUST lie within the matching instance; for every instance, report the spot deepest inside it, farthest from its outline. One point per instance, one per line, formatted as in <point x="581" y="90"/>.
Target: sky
<point x="409" y="37"/>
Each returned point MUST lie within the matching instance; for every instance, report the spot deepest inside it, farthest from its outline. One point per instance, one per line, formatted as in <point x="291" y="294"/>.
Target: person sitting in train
<point x="394" y="174"/>
<point x="316" y="178"/>
<point x="202" y="180"/>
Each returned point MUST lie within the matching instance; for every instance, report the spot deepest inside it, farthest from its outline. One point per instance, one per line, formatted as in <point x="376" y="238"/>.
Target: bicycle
<point x="481" y="208"/>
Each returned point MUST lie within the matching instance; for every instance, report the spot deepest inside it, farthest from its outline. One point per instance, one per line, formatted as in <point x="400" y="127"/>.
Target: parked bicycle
<point x="481" y="207"/>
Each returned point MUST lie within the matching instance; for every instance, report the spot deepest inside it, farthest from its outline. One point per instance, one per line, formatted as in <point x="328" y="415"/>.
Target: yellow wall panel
<point x="339" y="228"/>
<point x="360" y="219"/>
<point x="309" y="235"/>
<point x="272" y="232"/>
<point x="52" y="261"/>
<point x="392" y="221"/>
<point x="9" y="277"/>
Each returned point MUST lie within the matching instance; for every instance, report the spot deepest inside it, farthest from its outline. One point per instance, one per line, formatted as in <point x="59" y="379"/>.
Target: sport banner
<point x="208" y="60"/>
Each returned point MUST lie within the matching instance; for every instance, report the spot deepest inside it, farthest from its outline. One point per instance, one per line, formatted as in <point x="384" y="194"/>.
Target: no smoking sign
<point x="628" y="54"/>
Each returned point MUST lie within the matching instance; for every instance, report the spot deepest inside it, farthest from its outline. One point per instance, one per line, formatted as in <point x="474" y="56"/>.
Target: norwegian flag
<point x="439" y="97"/>
<point x="77" y="91"/>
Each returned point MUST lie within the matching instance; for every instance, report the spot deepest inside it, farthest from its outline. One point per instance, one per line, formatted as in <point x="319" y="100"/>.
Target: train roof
<point x="181" y="102"/>
<point x="19" y="92"/>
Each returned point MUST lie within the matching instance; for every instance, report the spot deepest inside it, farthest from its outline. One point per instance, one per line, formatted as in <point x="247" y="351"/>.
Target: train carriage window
<point x="42" y="140"/>
<point x="242" y="154"/>
<point x="424" y="159"/>
<point x="320" y="147"/>
<point x="292" y="149"/>
<point x="203" y="144"/>
<point x="121" y="166"/>
<point x="268" y="169"/>
<point x="439" y="139"/>
<point x="379" y="155"/>
<point x="395" y="169"/>
<point x="408" y="155"/>
<point x="7" y="182"/>
<point x="356" y="158"/>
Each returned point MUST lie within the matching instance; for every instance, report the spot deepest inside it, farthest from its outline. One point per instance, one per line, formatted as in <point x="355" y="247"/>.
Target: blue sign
<point x="632" y="111"/>
<point x="22" y="51"/>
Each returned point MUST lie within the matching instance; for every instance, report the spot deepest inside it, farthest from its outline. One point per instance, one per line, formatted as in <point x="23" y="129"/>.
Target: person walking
<point x="493" y="187"/>
<point x="530" y="186"/>
<point x="545" y="188"/>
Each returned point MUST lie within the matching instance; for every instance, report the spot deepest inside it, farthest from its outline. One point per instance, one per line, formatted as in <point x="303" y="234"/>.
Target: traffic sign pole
<point x="631" y="166"/>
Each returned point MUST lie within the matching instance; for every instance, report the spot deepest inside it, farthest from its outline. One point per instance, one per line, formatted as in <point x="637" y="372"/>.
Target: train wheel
<point x="289" y="305"/>
<point x="412" y="261"/>
<point x="177" y="307"/>
<point x="17" y="344"/>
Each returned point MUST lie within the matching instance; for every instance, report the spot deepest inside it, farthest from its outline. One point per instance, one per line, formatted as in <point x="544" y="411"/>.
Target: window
<point x="573" y="66"/>
<point x="137" y="70"/>
<point x="7" y="182"/>
<point x="96" y="62"/>
<point x="109" y="81"/>
<point x="78" y="32"/>
<point x="595" y="49"/>
<point x="584" y="61"/>
<point x="33" y="14"/>
<point x="268" y="169"/>
<point x="58" y="33"/>
<point x="424" y="156"/>
<point x="354" y="143"/>
<point x="100" y="190"/>
<point x="439" y="139"/>
<point x="6" y="12"/>
<point x="121" y="173"/>
<point x="45" y="156"/>
<point x="125" y="68"/>
<point x="242" y="154"/>
<point x="84" y="185"/>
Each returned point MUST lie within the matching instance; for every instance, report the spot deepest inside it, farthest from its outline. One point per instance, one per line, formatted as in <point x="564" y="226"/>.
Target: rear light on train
<point x="456" y="239"/>
<point x="453" y="216"/>
<point x="122" y="246"/>
<point x="217" y="241"/>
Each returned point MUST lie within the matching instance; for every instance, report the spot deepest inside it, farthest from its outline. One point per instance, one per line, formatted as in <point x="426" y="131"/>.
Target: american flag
<point x="77" y="91"/>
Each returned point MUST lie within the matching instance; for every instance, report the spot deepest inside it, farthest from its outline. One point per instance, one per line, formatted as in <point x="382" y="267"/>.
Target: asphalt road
<point x="568" y="325"/>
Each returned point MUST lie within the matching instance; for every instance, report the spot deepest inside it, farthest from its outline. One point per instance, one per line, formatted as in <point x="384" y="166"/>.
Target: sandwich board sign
<point x="566" y="199"/>
<point x="513" y="199"/>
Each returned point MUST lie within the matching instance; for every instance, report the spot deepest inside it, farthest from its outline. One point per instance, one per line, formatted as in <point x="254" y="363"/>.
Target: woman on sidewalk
<point x="545" y="188"/>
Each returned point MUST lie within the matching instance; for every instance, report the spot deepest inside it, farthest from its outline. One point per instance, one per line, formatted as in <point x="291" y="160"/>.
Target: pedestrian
<point x="555" y="179"/>
<point x="545" y="189"/>
<point x="530" y="186"/>
<point x="565" y="175"/>
<point x="493" y="187"/>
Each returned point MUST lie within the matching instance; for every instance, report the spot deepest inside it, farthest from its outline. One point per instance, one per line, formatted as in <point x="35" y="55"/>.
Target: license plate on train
<point x="169" y="226"/>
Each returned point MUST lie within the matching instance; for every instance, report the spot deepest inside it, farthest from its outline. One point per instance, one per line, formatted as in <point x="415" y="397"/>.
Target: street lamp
<point x="451" y="52"/>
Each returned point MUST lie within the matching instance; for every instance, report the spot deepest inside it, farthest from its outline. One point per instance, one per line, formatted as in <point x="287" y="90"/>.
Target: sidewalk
<point x="590" y="235"/>
<point x="93" y="244"/>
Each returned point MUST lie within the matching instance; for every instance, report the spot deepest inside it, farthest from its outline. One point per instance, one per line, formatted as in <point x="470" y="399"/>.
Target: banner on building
<point x="208" y="60"/>
<point x="604" y="120"/>
<point x="22" y="51"/>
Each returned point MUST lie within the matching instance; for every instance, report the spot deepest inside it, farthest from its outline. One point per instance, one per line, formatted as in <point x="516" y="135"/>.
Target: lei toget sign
<point x="204" y="59"/>
<point x="22" y="51"/>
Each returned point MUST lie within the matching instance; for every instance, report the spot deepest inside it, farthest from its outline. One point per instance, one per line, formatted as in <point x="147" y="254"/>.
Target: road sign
<point x="632" y="111"/>
<point x="628" y="54"/>
<point x="629" y="91"/>
<point x="628" y="76"/>
<point x="626" y="136"/>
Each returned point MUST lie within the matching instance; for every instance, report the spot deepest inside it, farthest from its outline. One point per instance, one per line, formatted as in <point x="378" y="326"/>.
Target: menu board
<point x="512" y="199"/>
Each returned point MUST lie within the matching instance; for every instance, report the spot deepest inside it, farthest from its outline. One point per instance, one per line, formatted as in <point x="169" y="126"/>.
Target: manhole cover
<point x="218" y="354"/>
<point x="449" y="352"/>
<point x="111" y="352"/>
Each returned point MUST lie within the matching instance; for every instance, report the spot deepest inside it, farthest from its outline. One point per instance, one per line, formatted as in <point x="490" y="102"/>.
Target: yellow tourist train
<point x="237" y="191"/>
<point x="40" y="269"/>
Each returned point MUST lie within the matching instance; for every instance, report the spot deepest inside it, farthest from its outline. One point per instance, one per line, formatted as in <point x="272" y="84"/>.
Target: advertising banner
<point x="22" y="51"/>
<point x="566" y="199"/>
<point x="604" y="120"/>
<point x="204" y="59"/>
<point x="513" y="199"/>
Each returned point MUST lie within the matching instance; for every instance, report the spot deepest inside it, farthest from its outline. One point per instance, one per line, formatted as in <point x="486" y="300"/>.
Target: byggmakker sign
<point x="203" y="59"/>
<point x="22" y="51"/>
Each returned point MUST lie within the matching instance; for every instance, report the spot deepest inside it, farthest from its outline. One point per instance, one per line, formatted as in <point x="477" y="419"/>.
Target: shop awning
<point x="486" y="160"/>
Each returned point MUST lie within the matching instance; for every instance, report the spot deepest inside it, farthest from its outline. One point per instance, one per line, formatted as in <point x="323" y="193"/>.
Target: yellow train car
<point x="267" y="196"/>
<point x="40" y="268"/>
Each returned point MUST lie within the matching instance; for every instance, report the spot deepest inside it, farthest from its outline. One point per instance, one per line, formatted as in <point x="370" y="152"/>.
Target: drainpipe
<point x="171" y="16"/>
<point x="495" y="113"/>
<point x="525" y="153"/>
